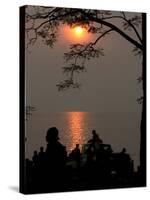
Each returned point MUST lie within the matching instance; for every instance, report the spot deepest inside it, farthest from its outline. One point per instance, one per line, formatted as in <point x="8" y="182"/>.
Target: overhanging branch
<point x="106" y="32"/>
<point x="115" y="28"/>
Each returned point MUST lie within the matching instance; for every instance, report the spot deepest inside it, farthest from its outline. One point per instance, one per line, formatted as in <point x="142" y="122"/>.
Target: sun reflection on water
<point x="76" y="125"/>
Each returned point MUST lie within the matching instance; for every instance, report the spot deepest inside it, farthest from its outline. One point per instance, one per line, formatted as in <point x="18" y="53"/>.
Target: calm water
<point x="118" y="129"/>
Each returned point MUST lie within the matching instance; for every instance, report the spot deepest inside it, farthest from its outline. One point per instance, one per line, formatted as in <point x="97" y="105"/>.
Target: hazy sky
<point x="109" y="85"/>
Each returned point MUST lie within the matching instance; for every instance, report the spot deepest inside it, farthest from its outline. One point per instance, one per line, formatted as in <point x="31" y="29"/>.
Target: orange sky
<point x="76" y="34"/>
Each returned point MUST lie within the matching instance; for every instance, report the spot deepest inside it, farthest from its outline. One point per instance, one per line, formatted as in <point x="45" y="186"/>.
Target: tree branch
<point x="131" y="24"/>
<point x="106" y="32"/>
<point x="115" y="28"/>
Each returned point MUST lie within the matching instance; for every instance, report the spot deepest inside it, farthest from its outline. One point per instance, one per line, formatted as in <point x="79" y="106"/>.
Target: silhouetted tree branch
<point x="80" y="53"/>
<point x="128" y="23"/>
<point x="115" y="28"/>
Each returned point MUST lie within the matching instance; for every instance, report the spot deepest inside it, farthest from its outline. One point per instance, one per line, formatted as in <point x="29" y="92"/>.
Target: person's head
<point x="52" y="134"/>
<point x="41" y="149"/>
<point x="124" y="150"/>
<point x="93" y="132"/>
<point x="77" y="145"/>
<point x="35" y="153"/>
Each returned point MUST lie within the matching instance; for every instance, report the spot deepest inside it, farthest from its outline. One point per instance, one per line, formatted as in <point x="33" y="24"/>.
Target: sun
<point x="79" y="30"/>
<point x="76" y="33"/>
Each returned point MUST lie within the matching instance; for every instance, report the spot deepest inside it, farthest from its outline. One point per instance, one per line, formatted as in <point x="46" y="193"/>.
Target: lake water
<point x="118" y="129"/>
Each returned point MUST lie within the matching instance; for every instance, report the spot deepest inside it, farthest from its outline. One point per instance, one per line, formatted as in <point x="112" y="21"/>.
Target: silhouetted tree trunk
<point x="143" y="118"/>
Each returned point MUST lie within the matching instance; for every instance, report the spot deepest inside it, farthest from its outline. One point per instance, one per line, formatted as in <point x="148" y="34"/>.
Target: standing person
<point x="55" y="160"/>
<point x="96" y="137"/>
<point x="76" y="153"/>
<point x="55" y="151"/>
<point x="95" y="141"/>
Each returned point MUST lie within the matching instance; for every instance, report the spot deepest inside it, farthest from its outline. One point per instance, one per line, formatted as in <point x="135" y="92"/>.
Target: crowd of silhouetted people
<point x="96" y="166"/>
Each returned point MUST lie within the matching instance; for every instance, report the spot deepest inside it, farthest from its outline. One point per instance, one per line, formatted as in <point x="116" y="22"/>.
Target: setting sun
<point x="79" y="30"/>
<point x="76" y="34"/>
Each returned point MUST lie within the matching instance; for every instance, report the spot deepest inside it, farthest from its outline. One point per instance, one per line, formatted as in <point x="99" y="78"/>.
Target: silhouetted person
<point x="55" y="160"/>
<point x="95" y="142"/>
<point x="76" y="153"/>
<point x="41" y="150"/>
<point x="35" y="158"/>
<point x="123" y="151"/>
<point x="41" y="153"/>
<point x="55" y="151"/>
<point x="41" y="156"/>
<point x="125" y="163"/>
<point x="95" y="138"/>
